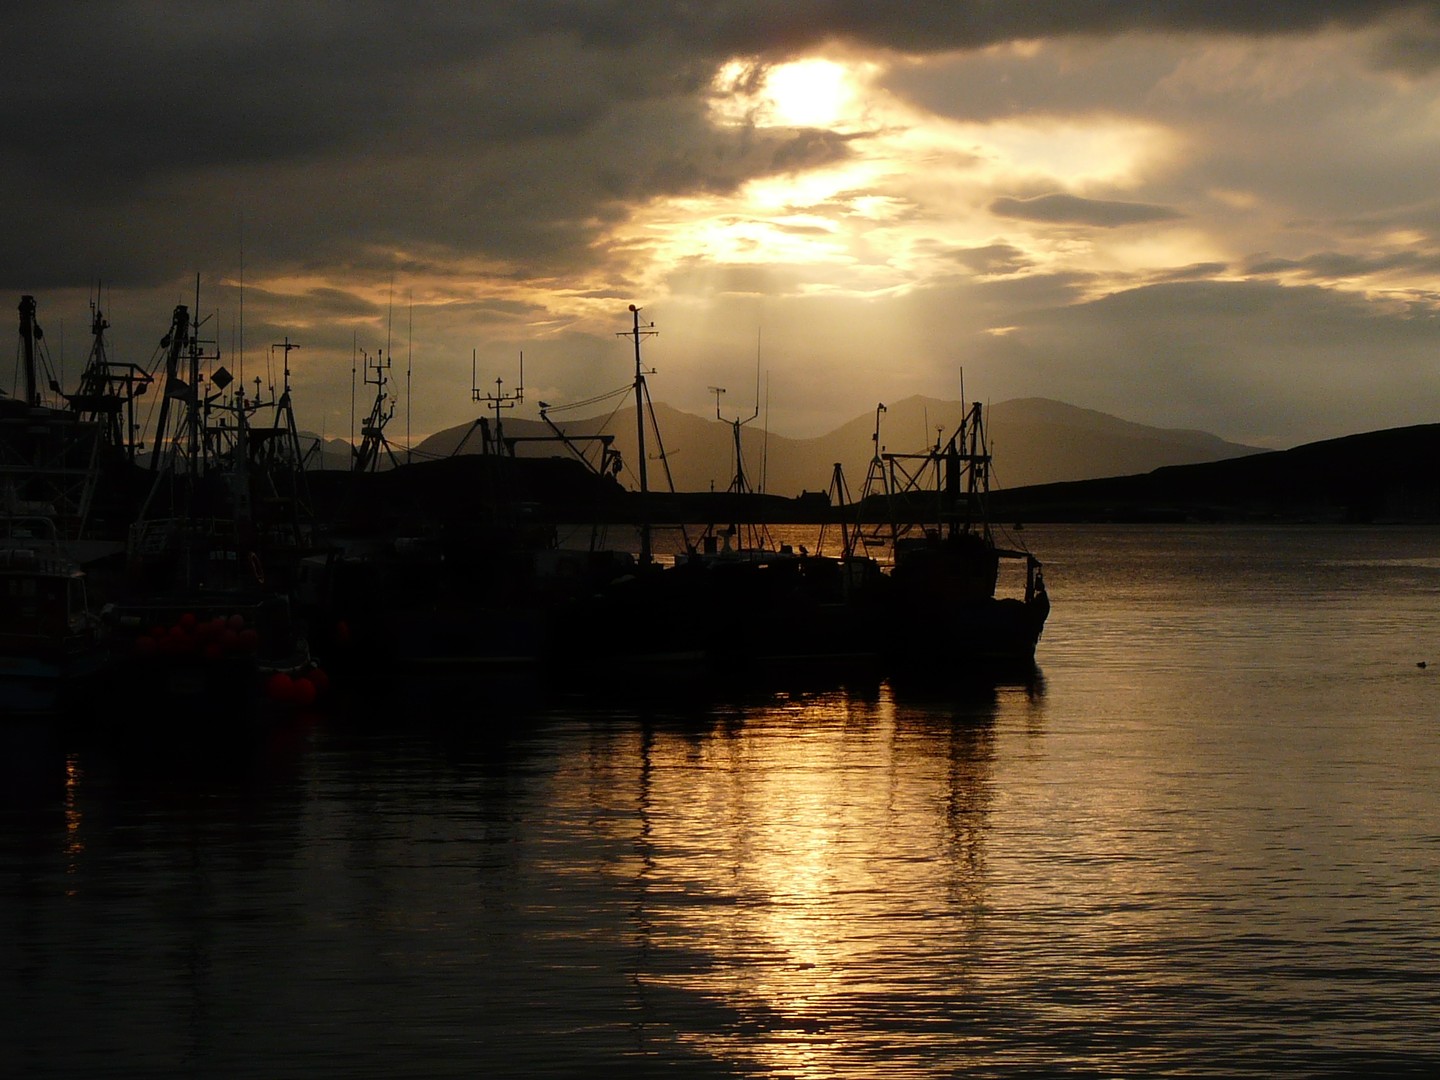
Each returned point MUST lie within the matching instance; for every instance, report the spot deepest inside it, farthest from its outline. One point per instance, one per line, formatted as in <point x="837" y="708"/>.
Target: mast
<point x="372" y="429"/>
<point x="30" y="332"/>
<point x="175" y="342"/>
<point x="409" y="378"/>
<point x="637" y="333"/>
<point x="108" y="390"/>
<point x="498" y="400"/>
<point x="194" y="399"/>
<point x="739" y="483"/>
<point x="285" y="409"/>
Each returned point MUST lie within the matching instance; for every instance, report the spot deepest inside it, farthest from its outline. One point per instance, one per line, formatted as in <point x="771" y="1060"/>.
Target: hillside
<point x="1377" y="476"/>
<point x="1035" y="441"/>
<point x="1380" y="476"/>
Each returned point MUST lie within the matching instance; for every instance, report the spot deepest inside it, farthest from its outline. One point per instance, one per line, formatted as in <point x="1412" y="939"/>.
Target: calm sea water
<point x="1205" y="842"/>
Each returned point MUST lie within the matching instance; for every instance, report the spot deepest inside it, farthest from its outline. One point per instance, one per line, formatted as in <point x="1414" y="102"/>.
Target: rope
<point x="590" y="401"/>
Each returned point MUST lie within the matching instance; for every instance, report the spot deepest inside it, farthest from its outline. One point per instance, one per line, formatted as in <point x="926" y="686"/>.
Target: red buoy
<point x="302" y="691"/>
<point x="280" y="687"/>
<point x="317" y="677"/>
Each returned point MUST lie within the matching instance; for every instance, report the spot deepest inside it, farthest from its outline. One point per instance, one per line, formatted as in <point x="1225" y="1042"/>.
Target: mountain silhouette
<point x="1054" y="462"/>
<point x="1371" y="477"/>
<point x="1034" y="441"/>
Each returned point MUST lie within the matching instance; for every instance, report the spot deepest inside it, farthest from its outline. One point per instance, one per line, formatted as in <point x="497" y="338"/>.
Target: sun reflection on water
<point x="74" y="839"/>
<point x="797" y="863"/>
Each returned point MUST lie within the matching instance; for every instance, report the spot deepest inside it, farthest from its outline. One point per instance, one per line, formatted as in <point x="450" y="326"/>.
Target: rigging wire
<point x="591" y="401"/>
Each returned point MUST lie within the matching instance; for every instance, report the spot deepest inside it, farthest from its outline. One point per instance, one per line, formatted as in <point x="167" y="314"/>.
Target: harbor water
<point x="1204" y="840"/>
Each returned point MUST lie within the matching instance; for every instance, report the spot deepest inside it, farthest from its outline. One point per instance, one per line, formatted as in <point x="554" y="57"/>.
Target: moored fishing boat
<point x="51" y="653"/>
<point x="922" y="586"/>
<point x="954" y="599"/>
<point x="200" y="623"/>
<point x="205" y="656"/>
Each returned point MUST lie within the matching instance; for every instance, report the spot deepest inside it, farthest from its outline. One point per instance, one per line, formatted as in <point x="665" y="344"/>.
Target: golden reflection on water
<point x="796" y="864"/>
<point x="74" y="840"/>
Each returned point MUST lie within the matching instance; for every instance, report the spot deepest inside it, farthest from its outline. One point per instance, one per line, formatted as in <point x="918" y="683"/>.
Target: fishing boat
<point x="924" y="585"/>
<point x="201" y="621"/>
<point x="51" y="651"/>
<point x="50" y="459"/>
<point x="718" y="604"/>
<point x="432" y="572"/>
<point x="953" y="599"/>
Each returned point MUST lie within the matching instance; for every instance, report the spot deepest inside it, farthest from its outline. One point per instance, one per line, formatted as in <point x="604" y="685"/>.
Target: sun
<point x="809" y="93"/>
<point x="813" y="92"/>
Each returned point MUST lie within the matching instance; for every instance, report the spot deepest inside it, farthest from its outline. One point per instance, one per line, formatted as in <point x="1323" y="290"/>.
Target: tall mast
<point x="496" y="401"/>
<point x="194" y="399"/>
<point x="29" y="333"/>
<point x="174" y="343"/>
<point x="637" y="333"/>
<point x="285" y="407"/>
<point x="372" y="429"/>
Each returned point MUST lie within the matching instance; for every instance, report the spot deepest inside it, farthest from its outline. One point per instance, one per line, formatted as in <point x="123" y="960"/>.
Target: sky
<point x="1222" y="216"/>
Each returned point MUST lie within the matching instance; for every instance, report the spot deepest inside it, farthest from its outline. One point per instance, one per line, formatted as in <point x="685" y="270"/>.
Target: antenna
<point x="390" y="314"/>
<point x="738" y="484"/>
<point x="389" y="352"/>
<point x="637" y="332"/>
<point x="409" y="371"/>
<point x="757" y="365"/>
<point x="285" y="408"/>
<point x="372" y="432"/>
<point x="499" y="399"/>
<point x="354" y="351"/>
<point x="492" y="443"/>
<point x="765" y="446"/>
<point x="240" y="367"/>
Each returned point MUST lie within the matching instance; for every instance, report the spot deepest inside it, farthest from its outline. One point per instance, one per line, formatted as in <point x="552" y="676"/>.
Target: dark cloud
<point x="1058" y="209"/>
<point x="992" y="259"/>
<point x="1412" y="49"/>
<point x="762" y="27"/>
<point x="1254" y="361"/>
<point x="519" y="128"/>
<point x="1334" y="265"/>
<point x="1193" y="272"/>
<point x="142" y="143"/>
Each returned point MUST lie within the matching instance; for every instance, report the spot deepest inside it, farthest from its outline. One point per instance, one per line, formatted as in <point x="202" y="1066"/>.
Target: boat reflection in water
<point x="1215" y="810"/>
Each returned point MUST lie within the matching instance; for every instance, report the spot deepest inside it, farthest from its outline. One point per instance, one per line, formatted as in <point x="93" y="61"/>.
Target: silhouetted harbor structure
<point x="236" y="565"/>
<point x="190" y="567"/>
<point x="491" y="563"/>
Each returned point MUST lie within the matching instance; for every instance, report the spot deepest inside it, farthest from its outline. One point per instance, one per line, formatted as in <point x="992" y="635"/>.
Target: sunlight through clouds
<point x="912" y="183"/>
<point x="812" y="92"/>
<point x="857" y="171"/>
<point x="1071" y="155"/>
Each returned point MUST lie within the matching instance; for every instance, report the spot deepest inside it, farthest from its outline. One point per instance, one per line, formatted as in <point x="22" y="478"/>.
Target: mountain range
<point x="1372" y="477"/>
<point x="1033" y="440"/>
<point x="1055" y="462"/>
